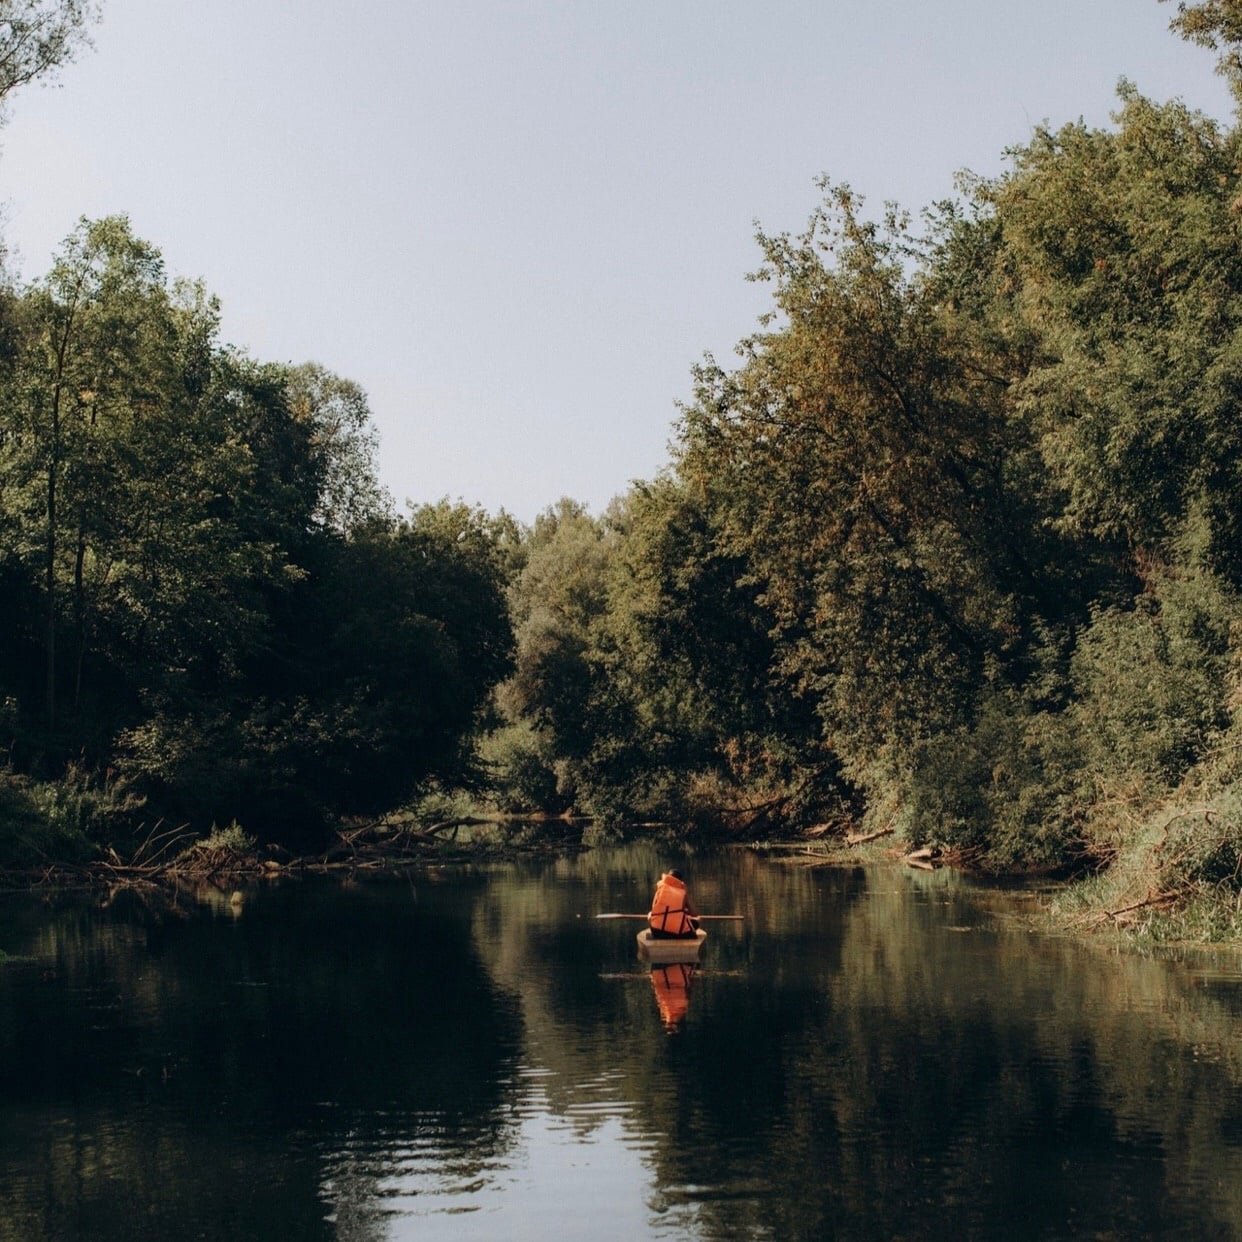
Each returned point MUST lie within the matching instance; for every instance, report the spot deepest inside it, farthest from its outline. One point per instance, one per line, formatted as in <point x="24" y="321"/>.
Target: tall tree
<point x="97" y="351"/>
<point x="861" y="473"/>
<point x="1124" y="244"/>
<point x="343" y="444"/>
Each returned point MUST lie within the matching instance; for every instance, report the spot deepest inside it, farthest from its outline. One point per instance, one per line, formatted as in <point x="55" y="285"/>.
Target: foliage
<point x="1152" y="680"/>
<point x="376" y="691"/>
<point x="208" y="596"/>
<point x="230" y="839"/>
<point x="48" y="823"/>
<point x="522" y="771"/>
<point x="38" y="36"/>
<point x="954" y="548"/>
<point x="342" y="445"/>
<point x="1215" y="24"/>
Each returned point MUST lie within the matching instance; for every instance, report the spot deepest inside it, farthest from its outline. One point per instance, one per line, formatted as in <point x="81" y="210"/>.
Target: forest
<point x="952" y="552"/>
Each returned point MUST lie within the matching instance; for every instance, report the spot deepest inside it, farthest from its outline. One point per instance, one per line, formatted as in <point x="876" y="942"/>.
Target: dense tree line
<point x="208" y="609"/>
<point x="955" y="547"/>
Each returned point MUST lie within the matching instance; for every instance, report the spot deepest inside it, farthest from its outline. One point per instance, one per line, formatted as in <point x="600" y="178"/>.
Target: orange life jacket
<point x="668" y="908"/>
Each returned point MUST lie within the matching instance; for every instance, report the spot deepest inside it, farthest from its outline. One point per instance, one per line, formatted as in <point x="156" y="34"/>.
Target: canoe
<point x="681" y="949"/>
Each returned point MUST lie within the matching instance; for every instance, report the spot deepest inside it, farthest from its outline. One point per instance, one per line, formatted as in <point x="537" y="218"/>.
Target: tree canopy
<point x="953" y="549"/>
<point x="208" y="597"/>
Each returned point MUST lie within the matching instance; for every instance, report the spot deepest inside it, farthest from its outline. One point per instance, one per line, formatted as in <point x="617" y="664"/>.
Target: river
<point x="468" y="1053"/>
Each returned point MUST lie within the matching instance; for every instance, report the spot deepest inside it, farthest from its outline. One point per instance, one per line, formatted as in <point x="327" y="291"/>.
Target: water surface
<point x="469" y="1054"/>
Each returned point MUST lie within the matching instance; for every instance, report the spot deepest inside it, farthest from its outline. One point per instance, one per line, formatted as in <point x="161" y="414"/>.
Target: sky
<point x="518" y="224"/>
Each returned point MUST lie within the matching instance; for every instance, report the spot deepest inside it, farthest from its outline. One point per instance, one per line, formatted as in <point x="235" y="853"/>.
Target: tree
<point x="861" y="476"/>
<point x="559" y="595"/>
<point x="343" y="443"/>
<point x="1124" y="245"/>
<point x="710" y="733"/>
<point x="386" y="649"/>
<point x="39" y="36"/>
<point x="96" y="327"/>
<point x="1215" y="24"/>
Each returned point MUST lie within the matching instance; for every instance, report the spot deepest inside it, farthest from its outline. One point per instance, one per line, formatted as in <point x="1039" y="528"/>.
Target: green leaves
<point x="1215" y="24"/>
<point x="229" y="614"/>
<point x="38" y="36"/>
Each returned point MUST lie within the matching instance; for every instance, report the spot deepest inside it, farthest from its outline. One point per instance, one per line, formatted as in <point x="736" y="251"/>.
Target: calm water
<point x="469" y="1054"/>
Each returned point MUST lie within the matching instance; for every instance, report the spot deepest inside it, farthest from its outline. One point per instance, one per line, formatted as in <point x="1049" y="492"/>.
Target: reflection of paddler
<point x="672" y="991"/>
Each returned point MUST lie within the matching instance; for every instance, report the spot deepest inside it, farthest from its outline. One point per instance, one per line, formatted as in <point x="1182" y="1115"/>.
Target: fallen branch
<point x="462" y="821"/>
<point x="167" y="841"/>
<point x="863" y="838"/>
<point x="1158" y="899"/>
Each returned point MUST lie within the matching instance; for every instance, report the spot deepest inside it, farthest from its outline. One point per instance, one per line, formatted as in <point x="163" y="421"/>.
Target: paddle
<point x="697" y="916"/>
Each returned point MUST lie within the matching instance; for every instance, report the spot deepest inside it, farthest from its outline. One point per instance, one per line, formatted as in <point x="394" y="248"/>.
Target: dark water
<point x="469" y="1054"/>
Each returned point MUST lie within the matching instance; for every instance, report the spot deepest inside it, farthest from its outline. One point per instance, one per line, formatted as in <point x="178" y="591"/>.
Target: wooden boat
<point x="678" y="949"/>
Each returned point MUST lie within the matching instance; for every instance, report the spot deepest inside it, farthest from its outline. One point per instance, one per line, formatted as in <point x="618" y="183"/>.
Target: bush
<point x="1151" y="682"/>
<point x="231" y="839"/>
<point x="523" y="776"/>
<point x="43" y="824"/>
<point x="998" y="791"/>
<point x="1203" y="846"/>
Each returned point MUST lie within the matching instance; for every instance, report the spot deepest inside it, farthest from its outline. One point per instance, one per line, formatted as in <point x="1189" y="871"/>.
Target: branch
<point x="1159" y="899"/>
<point x="863" y="838"/>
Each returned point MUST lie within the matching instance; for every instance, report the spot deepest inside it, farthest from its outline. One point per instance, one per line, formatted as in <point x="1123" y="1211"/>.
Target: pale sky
<point x="519" y="223"/>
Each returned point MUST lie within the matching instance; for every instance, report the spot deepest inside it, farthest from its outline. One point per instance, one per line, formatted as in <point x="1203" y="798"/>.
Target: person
<point x="672" y="915"/>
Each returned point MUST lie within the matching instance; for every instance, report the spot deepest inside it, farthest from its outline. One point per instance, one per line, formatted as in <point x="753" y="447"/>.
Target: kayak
<point x="677" y="949"/>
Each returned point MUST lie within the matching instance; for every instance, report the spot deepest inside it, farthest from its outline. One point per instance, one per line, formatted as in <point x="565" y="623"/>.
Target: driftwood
<point x="863" y="838"/>
<point x="924" y="859"/>
<point x="1156" y="899"/>
<point x="1121" y="914"/>
<point x="375" y="847"/>
<point x="378" y="838"/>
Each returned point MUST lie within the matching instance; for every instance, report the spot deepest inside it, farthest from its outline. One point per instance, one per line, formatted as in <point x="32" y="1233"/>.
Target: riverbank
<point x="231" y="855"/>
<point x="1176" y="880"/>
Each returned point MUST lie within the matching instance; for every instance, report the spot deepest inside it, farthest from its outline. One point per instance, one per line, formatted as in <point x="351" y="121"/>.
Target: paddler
<point x="673" y="915"/>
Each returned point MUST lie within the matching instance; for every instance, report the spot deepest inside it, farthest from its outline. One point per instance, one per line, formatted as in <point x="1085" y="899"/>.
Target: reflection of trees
<point x="590" y="1016"/>
<point x="891" y="1058"/>
<point x="870" y="1054"/>
<point x="1055" y="1074"/>
<point x="180" y="1068"/>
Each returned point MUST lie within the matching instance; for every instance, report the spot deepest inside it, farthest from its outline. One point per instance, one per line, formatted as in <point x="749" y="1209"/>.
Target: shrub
<point x="1151" y="682"/>
<point x="522" y="772"/>
<point x="42" y="824"/>
<point x="999" y="790"/>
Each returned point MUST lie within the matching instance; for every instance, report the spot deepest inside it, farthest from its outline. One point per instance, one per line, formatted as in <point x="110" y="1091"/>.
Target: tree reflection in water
<point x="471" y="1054"/>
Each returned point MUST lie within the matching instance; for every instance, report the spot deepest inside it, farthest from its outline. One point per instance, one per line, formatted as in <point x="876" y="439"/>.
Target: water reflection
<point x="875" y="1054"/>
<point x="671" y="985"/>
